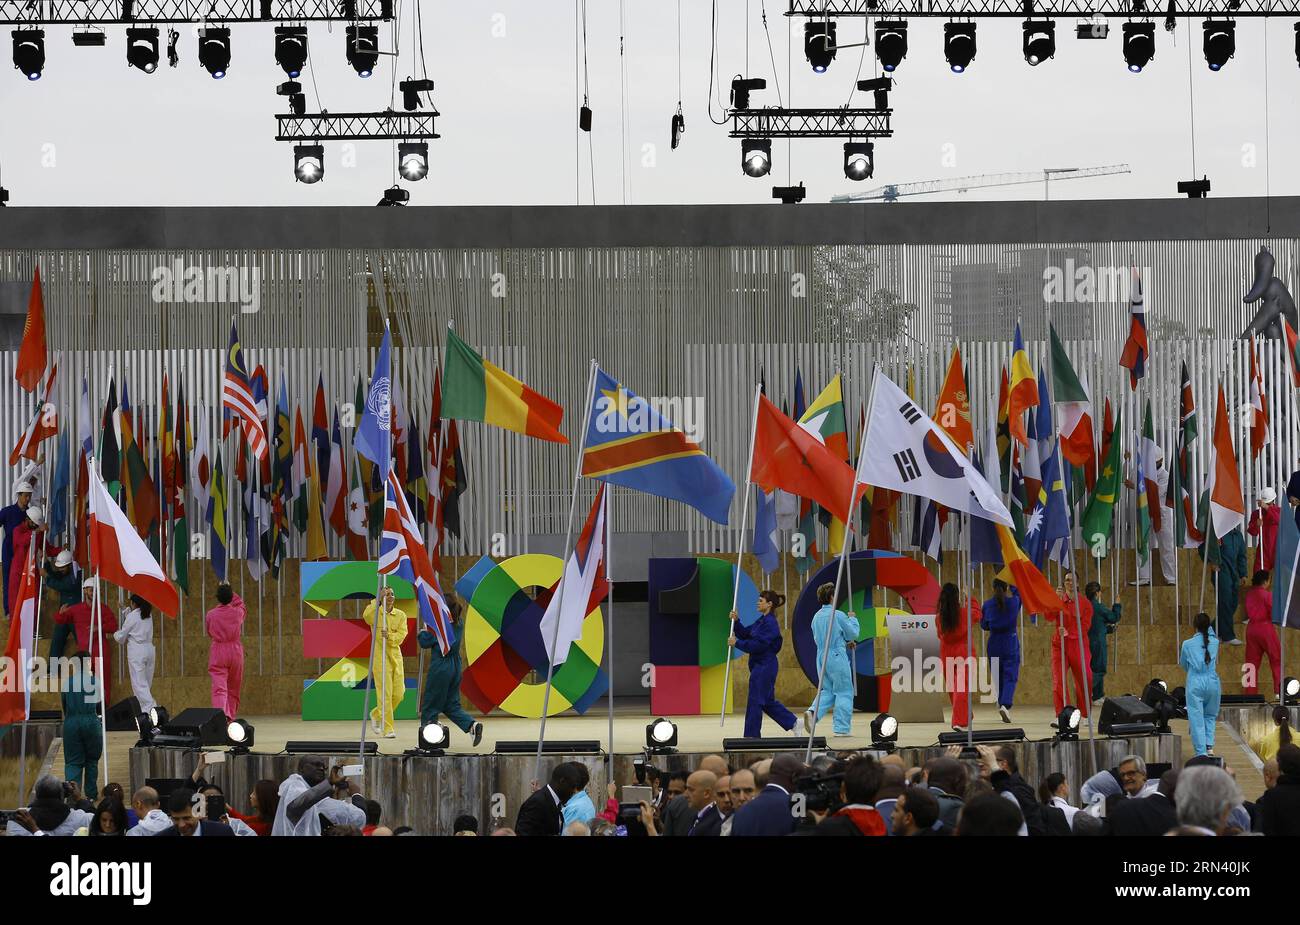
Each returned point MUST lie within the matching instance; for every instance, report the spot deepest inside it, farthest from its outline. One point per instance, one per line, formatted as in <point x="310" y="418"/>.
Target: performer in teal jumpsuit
<point x="62" y="577"/>
<point x="442" y="683"/>
<point x="1200" y="659"/>
<point x="83" y="736"/>
<point x="1103" y="624"/>
<point x="837" y="687"/>
<point x="1228" y="565"/>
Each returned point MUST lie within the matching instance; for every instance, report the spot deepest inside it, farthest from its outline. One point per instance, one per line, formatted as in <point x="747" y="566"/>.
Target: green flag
<point x="1100" y="512"/>
<point x="1066" y="387"/>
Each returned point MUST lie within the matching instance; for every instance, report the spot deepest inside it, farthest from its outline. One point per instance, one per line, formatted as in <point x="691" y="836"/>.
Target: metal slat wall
<point x="677" y="322"/>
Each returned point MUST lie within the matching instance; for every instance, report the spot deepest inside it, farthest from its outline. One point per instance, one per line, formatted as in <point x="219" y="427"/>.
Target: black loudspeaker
<point x="208" y="723"/>
<point x="121" y="715"/>
<point x="1126" y="709"/>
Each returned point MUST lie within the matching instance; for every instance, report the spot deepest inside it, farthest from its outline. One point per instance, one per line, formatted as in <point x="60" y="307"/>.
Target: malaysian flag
<point x="402" y="553"/>
<point x="237" y="398"/>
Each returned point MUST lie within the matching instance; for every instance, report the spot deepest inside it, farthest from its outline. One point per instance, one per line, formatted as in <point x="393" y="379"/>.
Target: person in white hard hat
<point x="137" y="634"/>
<point x="80" y="617"/>
<point x="1264" y="521"/>
<point x="64" y="578"/>
<point x="10" y="518"/>
<point x="27" y="532"/>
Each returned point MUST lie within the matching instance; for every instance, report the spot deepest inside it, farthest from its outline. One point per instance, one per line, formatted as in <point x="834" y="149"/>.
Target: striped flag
<point x="402" y="553"/>
<point x="1227" y="506"/>
<point x="44" y="423"/>
<point x="1186" y="533"/>
<point x="582" y="587"/>
<point x="1136" y="348"/>
<point x="16" y="694"/>
<point x="237" y="401"/>
<point x="1024" y="389"/>
<point x="1292" y="352"/>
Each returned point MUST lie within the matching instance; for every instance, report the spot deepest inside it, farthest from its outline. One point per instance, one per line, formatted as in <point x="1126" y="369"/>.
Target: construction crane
<point x="892" y="191"/>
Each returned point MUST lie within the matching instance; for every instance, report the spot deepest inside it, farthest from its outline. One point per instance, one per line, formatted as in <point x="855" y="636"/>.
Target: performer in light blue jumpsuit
<point x="837" y="687"/>
<point x="762" y="640"/>
<point x="1200" y="659"/>
<point x="1000" y="616"/>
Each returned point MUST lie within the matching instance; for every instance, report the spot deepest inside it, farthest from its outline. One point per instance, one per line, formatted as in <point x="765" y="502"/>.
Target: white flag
<point x="906" y="451"/>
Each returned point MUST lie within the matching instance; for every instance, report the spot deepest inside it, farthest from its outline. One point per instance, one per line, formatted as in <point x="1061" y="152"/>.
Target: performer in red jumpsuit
<point x="79" y="615"/>
<point x="954" y="623"/>
<point x="1077" y="650"/>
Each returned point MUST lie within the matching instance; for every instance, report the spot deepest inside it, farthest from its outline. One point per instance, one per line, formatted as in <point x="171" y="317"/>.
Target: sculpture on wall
<point x="1274" y="298"/>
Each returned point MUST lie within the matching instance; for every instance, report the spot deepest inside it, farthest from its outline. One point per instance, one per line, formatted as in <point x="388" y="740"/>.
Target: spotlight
<point x="159" y="717"/>
<point x="959" y="45"/>
<point x="413" y="160"/>
<point x="395" y="196"/>
<point x="1220" y="42"/>
<point x="1093" y="28"/>
<point x="291" y="49"/>
<point x="29" y="52"/>
<point x="309" y="163"/>
<point x="789" y="195"/>
<point x="4" y="196"/>
<point x="1139" y="44"/>
<point x="756" y="156"/>
<point x="661" y="737"/>
<point x="819" y="45"/>
<point x="1039" y="41"/>
<point x="142" y="48"/>
<point x="1067" y="724"/>
<point x="89" y="38"/>
<point x="146" y="728"/>
<point x="173" y="58"/>
<point x="859" y="162"/>
<point x="891" y="43"/>
<point x="1195" y="189"/>
<point x="884" y="731"/>
<point x="880" y="87"/>
<point x="741" y="87"/>
<point x="411" y="90"/>
<point x="297" y="99"/>
<point x="214" y="51"/>
<point x="1290" y="692"/>
<point x="433" y="738"/>
<point x="239" y="735"/>
<point x="363" y="49"/>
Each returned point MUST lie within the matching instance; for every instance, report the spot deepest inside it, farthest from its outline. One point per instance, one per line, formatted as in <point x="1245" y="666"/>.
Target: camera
<point x="821" y="790"/>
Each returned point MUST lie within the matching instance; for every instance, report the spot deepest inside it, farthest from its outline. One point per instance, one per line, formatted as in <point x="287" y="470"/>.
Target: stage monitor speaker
<point x="329" y="748"/>
<point x="121" y="715"/>
<point x="983" y="736"/>
<point x="549" y="747"/>
<point x="1124" y="710"/>
<point x="772" y="744"/>
<point x="207" y="723"/>
<point x="1237" y="700"/>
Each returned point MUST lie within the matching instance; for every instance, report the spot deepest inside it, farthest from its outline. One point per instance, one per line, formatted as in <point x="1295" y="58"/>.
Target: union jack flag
<point x="237" y="398"/>
<point x="402" y="553"/>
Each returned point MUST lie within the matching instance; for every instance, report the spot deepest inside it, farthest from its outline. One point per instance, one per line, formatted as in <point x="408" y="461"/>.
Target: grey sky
<point x="94" y="132"/>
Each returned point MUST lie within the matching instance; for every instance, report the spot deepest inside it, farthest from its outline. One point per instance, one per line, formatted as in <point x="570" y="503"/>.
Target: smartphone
<point x="214" y="757"/>
<point x="634" y="794"/>
<point x="353" y="770"/>
<point x="215" y="808"/>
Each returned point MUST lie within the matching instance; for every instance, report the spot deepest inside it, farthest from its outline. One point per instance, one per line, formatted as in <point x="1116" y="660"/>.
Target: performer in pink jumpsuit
<point x="224" y="624"/>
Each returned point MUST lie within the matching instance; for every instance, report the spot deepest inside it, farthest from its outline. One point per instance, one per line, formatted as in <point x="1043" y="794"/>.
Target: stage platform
<point x="428" y="793"/>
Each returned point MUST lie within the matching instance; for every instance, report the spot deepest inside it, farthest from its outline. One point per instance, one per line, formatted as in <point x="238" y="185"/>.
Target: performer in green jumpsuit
<point x="442" y="683"/>
<point x="83" y="736"/>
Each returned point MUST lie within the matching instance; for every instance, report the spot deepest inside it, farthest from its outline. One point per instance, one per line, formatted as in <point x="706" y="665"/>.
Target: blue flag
<point x="1286" y="602"/>
<point x="984" y="544"/>
<point x="58" y="521"/>
<point x="765" y="547"/>
<point x="374" y="435"/>
<point x="631" y="444"/>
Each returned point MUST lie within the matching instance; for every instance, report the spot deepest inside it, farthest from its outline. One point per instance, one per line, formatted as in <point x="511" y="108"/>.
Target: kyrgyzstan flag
<point x="119" y="555"/>
<point x="33" y="352"/>
<point x="1227" y="506"/>
<point x="16" y="696"/>
<point x="794" y="459"/>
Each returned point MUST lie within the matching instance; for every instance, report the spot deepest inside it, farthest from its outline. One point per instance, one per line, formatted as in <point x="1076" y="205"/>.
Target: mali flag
<point x="478" y="390"/>
<point x="631" y="444"/>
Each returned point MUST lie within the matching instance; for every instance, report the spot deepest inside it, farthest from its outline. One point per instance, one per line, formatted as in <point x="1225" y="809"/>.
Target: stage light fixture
<point x="291" y="49"/>
<point x="879" y="87"/>
<point x="309" y="163"/>
<point x="859" y="160"/>
<point x="1067" y="724"/>
<point x="214" y="50"/>
<point x="411" y="90"/>
<point x="173" y="57"/>
<point x="297" y="99"/>
<point x="1297" y="43"/>
<point x="1220" y="42"/>
<point x="159" y="717"/>
<point x="756" y="156"/>
<point x="89" y="38"/>
<point x="1093" y="28"/>
<point x="395" y="196"/>
<point x="413" y="160"/>
<point x="741" y="87"/>
<point x="819" y="44"/>
<point x="1139" y="44"/>
<point x="363" y="49"/>
<point x="959" y="45"/>
<point x="790" y="195"/>
<point x="239" y="735"/>
<point x="4" y="197"/>
<point x="1194" y="189"/>
<point x="661" y="737"/>
<point x="678" y="127"/>
<point x="29" y="52"/>
<point x="1039" y="41"/>
<point x="891" y="43"/>
<point x="1290" y="692"/>
<point x="433" y="738"/>
<point x="145" y="725"/>
<point x="884" y="731"/>
<point x="142" y="48"/>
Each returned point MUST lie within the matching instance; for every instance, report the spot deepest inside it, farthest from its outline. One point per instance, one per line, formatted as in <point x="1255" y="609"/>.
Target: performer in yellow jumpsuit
<point x="390" y="679"/>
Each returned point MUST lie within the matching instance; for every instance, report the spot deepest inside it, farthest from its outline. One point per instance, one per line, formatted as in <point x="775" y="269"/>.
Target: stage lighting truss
<point x="977" y="9"/>
<point x="357" y="126"/>
<point x="106" y="12"/>
<point x="810" y="123"/>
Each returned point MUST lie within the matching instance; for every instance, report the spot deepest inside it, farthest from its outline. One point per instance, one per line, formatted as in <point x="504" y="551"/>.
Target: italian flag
<point x="120" y="556"/>
<point x="478" y="390"/>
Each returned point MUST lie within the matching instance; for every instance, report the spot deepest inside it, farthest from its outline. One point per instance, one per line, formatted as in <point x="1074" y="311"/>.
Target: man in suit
<point x="1154" y="815"/>
<point x="180" y="806"/>
<point x="541" y="813"/>
<point x="701" y="788"/>
<point x="769" y="813"/>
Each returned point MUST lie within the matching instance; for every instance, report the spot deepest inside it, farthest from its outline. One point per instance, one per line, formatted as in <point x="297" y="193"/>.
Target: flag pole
<point x="380" y="582"/>
<point x="609" y="632"/>
<point x="740" y="553"/>
<point x="564" y="564"/>
<point x="839" y="575"/>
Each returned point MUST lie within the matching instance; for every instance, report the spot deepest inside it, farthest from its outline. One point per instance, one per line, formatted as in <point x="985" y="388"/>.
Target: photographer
<point x="821" y="794"/>
<point x="308" y="796"/>
<point x="50" y="813"/>
<point x="858" y="815"/>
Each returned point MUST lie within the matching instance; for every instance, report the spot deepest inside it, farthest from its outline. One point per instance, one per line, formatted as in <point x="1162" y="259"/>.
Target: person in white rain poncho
<point x="310" y="795"/>
<point x="136" y="632"/>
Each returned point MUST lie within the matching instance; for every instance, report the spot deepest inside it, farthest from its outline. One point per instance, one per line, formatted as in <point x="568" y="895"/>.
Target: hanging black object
<point x="678" y="126"/>
<point x="584" y="116"/>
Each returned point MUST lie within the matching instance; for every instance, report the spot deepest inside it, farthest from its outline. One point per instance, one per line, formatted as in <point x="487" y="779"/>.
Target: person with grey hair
<point x="148" y="809"/>
<point x="49" y="813"/>
<point x="1205" y="797"/>
<point x="1128" y="780"/>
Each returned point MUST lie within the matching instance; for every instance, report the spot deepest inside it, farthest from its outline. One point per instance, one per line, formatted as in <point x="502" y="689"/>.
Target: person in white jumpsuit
<point x="137" y="633"/>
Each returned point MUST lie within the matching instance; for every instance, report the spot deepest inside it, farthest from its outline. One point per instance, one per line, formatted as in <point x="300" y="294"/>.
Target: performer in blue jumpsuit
<point x="1200" y="659"/>
<point x="1000" y="616"/>
<point x="442" y="683"/>
<point x="762" y="641"/>
<point x="837" y="687"/>
<point x="10" y="517"/>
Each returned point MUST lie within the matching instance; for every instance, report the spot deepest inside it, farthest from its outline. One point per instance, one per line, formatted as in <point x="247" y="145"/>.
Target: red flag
<point x="788" y="457"/>
<point x="1036" y="593"/>
<point x="1136" y="347"/>
<point x="33" y="352"/>
<point x="20" y="647"/>
<point x="44" y="424"/>
<point x="119" y="555"/>
<point x="1292" y="357"/>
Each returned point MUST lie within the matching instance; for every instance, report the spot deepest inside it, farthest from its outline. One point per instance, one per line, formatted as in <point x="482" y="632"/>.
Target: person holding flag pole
<point x="740" y="552"/>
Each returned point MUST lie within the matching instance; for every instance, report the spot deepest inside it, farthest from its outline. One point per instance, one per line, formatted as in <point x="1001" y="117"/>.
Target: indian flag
<point x="475" y="389"/>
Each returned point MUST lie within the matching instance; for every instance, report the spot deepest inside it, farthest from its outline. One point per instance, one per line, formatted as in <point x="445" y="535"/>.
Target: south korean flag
<point x="906" y="451"/>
